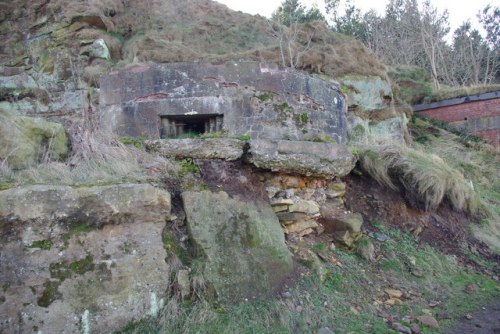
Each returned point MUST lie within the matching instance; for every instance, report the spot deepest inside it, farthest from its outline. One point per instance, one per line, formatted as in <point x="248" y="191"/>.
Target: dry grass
<point x="97" y="158"/>
<point x="478" y="161"/>
<point x="173" y="31"/>
<point x="447" y="93"/>
<point x="425" y="177"/>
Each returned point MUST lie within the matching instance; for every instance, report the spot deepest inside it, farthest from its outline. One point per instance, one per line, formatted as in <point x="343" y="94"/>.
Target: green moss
<point x="172" y="246"/>
<point x="62" y="271"/>
<point x="6" y="185"/>
<point x="323" y="139"/>
<point x="213" y="135"/>
<point x="50" y="293"/>
<point x="319" y="246"/>
<point x="188" y="166"/>
<point x="244" y="137"/>
<point x="204" y="186"/>
<point x="59" y="271"/>
<point x="304" y="118"/>
<point x="284" y="107"/>
<point x="5" y="286"/>
<point x="136" y="142"/>
<point x="82" y="266"/>
<point x="355" y="152"/>
<point x="266" y="96"/>
<point x="75" y="230"/>
<point x="42" y="244"/>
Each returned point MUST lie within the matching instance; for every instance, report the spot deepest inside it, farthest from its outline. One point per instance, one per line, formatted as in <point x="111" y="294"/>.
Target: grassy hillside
<point x="167" y="31"/>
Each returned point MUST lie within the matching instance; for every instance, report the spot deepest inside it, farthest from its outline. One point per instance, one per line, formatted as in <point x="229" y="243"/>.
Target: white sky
<point x="459" y="11"/>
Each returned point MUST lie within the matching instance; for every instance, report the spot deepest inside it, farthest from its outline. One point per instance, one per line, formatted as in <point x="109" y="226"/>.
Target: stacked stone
<point x="298" y="201"/>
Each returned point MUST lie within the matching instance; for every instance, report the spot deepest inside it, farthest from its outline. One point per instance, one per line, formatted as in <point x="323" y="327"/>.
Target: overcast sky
<point x="459" y="11"/>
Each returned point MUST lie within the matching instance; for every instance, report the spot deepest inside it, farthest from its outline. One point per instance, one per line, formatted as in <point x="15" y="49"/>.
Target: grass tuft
<point x="425" y="177"/>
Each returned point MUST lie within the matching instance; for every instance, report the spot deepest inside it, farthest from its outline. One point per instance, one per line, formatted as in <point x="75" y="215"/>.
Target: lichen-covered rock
<point x="25" y="141"/>
<point x="78" y="258"/>
<point x="363" y="131"/>
<point x="368" y="93"/>
<point x="242" y="243"/>
<point x="92" y="205"/>
<point x="373" y="117"/>
<point x="210" y="148"/>
<point x="299" y="157"/>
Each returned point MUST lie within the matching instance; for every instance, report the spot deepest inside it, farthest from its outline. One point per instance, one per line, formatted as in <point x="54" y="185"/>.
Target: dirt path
<point x="485" y="321"/>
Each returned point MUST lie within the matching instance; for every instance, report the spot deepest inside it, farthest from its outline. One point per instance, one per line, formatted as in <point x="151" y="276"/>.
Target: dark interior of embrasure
<point x="175" y="126"/>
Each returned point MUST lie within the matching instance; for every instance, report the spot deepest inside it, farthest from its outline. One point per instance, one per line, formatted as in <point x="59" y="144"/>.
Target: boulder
<point x="242" y="243"/>
<point x="301" y="157"/>
<point x="88" y="258"/>
<point x="211" y="148"/>
<point x="344" y="226"/>
<point x="25" y="141"/>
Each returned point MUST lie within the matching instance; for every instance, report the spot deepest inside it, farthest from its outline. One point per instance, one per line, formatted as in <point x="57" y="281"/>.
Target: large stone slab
<point x="211" y="148"/>
<point x="258" y="99"/>
<point x="300" y="157"/>
<point x="61" y="274"/>
<point x="242" y="243"/>
<point x="93" y="205"/>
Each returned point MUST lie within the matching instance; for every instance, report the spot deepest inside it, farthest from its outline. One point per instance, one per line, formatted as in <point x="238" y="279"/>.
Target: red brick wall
<point x="470" y="111"/>
<point x="491" y="136"/>
<point x="460" y="112"/>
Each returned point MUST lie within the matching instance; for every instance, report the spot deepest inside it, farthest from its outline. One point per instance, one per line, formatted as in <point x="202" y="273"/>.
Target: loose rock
<point x="401" y="328"/>
<point x="428" y="320"/>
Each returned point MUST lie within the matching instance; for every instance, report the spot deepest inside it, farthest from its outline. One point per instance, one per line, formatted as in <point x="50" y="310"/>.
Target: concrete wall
<point x="480" y="117"/>
<point x="261" y="100"/>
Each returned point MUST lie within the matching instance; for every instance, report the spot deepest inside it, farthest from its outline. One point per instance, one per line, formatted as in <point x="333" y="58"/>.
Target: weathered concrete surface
<point x="211" y="148"/>
<point x="305" y="158"/>
<point x="261" y="100"/>
<point x="25" y="141"/>
<point x="242" y="243"/>
<point x="60" y="274"/>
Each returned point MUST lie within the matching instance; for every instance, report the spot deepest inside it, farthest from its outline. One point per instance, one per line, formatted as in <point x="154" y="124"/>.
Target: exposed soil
<point x="235" y="178"/>
<point x="444" y="228"/>
<point x="485" y="321"/>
